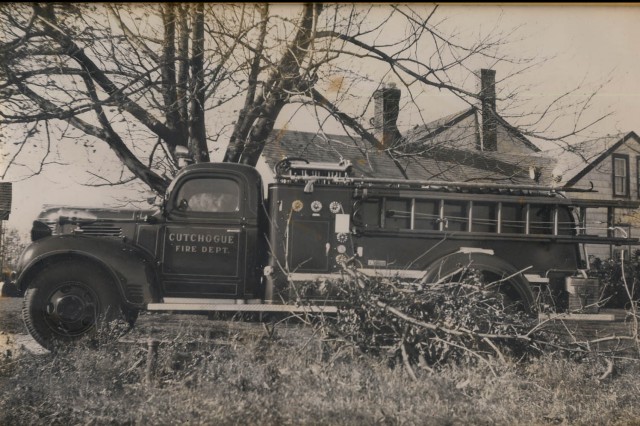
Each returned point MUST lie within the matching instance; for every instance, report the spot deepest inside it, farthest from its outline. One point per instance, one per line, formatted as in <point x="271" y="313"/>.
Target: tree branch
<point x="47" y="17"/>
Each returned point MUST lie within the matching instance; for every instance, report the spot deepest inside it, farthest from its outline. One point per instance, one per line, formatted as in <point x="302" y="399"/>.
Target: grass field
<point x="244" y="373"/>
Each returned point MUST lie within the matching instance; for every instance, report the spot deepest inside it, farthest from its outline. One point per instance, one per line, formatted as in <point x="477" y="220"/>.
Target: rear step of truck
<point x="231" y="305"/>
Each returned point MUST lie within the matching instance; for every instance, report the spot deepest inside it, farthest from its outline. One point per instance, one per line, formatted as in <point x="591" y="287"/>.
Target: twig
<point x="269" y="330"/>
<point x="474" y="353"/>
<point x="633" y="303"/>
<point x="405" y="361"/>
<point x="609" y="371"/>
<point x="495" y="348"/>
<point x="446" y="277"/>
<point x="422" y="363"/>
<point x="509" y="277"/>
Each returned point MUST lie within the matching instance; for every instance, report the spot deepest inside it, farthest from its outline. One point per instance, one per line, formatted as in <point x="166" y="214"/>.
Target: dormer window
<point x="620" y="175"/>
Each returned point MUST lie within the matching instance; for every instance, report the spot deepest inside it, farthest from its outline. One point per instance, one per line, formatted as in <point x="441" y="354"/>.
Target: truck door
<point x="209" y="237"/>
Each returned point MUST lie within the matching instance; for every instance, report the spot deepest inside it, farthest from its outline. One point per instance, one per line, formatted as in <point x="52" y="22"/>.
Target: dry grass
<point x="242" y="375"/>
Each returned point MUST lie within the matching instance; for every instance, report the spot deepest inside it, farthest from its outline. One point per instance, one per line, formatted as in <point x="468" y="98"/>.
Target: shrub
<point x="618" y="289"/>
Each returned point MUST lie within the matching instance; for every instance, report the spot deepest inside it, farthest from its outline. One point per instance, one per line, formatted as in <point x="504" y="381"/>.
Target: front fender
<point x="131" y="270"/>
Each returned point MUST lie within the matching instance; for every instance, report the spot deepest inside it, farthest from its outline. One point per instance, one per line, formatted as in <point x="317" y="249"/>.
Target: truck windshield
<point x="209" y="195"/>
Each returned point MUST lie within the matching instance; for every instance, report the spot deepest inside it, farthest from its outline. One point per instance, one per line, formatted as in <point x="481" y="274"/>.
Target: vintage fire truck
<point x="218" y="244"/>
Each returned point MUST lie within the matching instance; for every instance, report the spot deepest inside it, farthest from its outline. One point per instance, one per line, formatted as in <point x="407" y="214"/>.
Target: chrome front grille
<point x="101" y="230"/>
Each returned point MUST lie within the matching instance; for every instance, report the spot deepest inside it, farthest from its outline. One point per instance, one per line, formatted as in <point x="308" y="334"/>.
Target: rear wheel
<point x="68" y="301"/>
<point x="513" y="288"/>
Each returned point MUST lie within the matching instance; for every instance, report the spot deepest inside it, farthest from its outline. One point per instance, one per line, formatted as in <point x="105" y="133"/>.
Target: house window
<point x="620" y="175"/>
<point x="638" y="174"/>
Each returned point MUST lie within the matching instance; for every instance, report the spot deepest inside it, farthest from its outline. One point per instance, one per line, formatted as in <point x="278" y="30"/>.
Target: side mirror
<point x="184" y="205"/>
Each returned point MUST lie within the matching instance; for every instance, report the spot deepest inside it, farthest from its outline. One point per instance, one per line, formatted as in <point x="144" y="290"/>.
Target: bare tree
<point x="147" y="79"/>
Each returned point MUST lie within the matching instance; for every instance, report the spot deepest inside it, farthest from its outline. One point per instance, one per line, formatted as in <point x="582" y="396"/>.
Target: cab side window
<point x="207" y="195"/>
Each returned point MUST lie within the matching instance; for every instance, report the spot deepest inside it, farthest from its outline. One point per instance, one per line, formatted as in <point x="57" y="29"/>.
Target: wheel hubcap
<point x="69" y="308"/>
<point x="72" y="309"/>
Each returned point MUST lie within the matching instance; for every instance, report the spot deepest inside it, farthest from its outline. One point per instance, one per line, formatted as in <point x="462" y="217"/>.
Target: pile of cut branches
<point x="427" y="325"/>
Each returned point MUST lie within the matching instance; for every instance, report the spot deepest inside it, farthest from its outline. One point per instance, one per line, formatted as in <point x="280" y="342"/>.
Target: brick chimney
<point x="488" y="129"/>
<point x="386" y="109"/>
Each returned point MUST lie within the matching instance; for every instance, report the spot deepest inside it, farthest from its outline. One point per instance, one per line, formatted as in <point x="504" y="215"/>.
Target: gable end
<point x="592" y="165"/>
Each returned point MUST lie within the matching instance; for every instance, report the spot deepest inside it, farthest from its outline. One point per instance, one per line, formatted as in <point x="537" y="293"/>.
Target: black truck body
<point x="217" y="244"/>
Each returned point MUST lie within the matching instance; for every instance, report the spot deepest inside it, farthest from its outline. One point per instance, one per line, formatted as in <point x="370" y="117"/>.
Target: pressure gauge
<point x="316" y="206"/>
<point x="297" y="205"/>
<point x="341" y="249"/>
<point x="335" y="207"/>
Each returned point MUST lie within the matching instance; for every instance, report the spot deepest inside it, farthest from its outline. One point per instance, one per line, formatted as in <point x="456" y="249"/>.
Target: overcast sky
<point x="589" y="44"/>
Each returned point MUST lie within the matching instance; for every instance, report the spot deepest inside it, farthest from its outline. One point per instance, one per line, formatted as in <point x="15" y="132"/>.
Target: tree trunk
<point x="168" y="71"/>
<point x="251" y="134"/>
<point x="183" y="65"/>
<point x="197" y="131"/>
<point x="236" y="143"/>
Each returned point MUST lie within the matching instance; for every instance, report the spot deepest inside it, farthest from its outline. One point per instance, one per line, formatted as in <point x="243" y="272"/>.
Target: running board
<point x="228" y="307"/>
<point x="577" y="317"/>
<point x="537" y="279"/>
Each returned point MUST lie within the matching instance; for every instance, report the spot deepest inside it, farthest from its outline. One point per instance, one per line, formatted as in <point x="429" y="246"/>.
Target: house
<point x="477" y="144"/>
<point x="611" y="166"/>
<point x="462" y="147"/>
<point x="479" y="137"/>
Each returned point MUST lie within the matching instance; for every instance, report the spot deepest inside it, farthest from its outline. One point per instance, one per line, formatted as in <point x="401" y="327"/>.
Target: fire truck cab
<point x="207" y="240"/>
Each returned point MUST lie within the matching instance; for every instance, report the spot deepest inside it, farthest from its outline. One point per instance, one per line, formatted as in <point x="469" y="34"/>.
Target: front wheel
<point x="68" y="301"/>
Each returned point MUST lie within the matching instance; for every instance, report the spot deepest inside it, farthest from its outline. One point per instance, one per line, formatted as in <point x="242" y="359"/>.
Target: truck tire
<point x="516" y="292"/>
<point x="68" y="301"/>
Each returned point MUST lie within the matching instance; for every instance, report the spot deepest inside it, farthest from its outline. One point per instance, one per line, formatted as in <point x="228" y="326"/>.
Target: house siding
<point x="601" y="177"/>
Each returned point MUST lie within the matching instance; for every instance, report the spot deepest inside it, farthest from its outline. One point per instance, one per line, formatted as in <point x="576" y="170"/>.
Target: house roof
<point x="367" y="161"/>
<point x="444" y="149"/>
<point x="457" y="138"/>
<point x="576" y="160"/>
<point x="444" y="163"/>
<point x="462" y="131"/>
